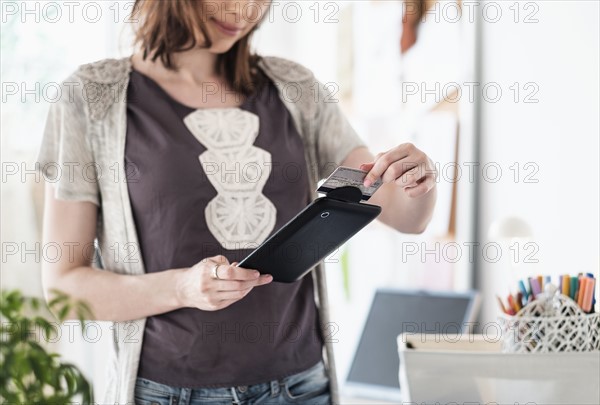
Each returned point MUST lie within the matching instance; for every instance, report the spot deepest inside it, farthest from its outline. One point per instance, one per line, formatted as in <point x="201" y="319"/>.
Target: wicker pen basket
<point x="551" y="324"/>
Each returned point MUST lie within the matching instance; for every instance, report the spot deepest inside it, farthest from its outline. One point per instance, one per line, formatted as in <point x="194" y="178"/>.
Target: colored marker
<point x="560" y="283"/>
<point x="520" y="300"/>
<point x="582" y="288"/>
<point x="573" y="289"/>
<point x="512" y="303"/>
<point x="566" y="285"/>
<point x="501" y="305"/>
<point x="531" y="295"/>
<point x="523" y="289"/>
<point x="590" y="275"/>
<point x="535" y="287"/>
<point x="588" y="295"/>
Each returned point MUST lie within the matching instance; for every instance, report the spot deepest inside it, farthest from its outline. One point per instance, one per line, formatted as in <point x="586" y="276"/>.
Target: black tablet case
<point x="312" y="235"/>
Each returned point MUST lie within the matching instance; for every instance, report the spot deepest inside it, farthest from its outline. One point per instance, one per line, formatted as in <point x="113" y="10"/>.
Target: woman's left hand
<point x="406" y="166"/>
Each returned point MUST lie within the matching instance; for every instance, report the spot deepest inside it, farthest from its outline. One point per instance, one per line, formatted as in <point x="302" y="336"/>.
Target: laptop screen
<point x="376" y="361"/>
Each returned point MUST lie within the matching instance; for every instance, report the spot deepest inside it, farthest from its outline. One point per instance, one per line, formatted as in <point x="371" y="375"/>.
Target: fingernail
<point x="367" y="183"/>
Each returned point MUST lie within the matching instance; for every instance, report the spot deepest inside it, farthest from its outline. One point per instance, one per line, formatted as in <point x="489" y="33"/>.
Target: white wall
<point x="37" y="53"/>
<point x="559" y="134"/>
<point x="443" y="54"/>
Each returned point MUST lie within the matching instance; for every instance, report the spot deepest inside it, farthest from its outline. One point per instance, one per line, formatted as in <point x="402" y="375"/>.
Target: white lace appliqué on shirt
<point x="240" y="216"/>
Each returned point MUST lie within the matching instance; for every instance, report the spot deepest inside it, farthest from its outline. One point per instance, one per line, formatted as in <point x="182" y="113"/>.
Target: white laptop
<point x="374" y="370"/>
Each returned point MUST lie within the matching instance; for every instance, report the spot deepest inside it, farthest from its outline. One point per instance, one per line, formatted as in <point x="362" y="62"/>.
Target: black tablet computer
<point x="309" y="237"/>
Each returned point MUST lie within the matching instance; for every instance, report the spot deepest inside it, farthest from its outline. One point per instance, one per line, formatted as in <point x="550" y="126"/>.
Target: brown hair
<point x="170" y="26"/>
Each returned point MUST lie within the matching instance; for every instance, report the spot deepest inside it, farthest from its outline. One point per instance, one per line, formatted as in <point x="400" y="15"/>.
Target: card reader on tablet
<point x="312" y="235"/>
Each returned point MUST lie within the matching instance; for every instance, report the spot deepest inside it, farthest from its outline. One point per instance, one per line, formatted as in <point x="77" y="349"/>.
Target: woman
<point x="180" y="160"/>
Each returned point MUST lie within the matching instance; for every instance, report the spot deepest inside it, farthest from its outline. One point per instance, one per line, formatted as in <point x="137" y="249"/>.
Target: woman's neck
<point x="196" y="83"/>
<point x="194" y="67"/>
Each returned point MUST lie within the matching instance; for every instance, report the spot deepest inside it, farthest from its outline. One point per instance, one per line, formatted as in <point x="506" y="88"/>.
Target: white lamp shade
<point x="509" y="228"/>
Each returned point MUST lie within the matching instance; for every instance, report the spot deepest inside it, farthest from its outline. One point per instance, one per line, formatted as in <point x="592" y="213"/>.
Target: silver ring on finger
<point x="215" y="273"/>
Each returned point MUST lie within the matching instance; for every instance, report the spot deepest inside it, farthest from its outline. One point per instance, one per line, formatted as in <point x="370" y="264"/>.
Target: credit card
<point x="346" y="176"/>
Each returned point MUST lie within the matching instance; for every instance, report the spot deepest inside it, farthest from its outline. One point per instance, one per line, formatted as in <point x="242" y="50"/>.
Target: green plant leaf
<point x="29" y="374"/>
<point x="58" y="298"/>
<point x="63" y="312"/>
<point x="83" y="311"/>
<point x="35" y="303"/>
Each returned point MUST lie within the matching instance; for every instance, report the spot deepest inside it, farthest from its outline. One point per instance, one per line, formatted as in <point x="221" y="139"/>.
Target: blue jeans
<point x="310" y="386"/>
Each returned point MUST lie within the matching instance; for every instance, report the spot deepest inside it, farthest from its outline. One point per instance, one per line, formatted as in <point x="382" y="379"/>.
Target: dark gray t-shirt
<point x="204" y="182"/>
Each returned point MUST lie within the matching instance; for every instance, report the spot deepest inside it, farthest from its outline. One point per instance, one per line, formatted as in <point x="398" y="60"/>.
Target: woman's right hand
<point x="198" y="288"/>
